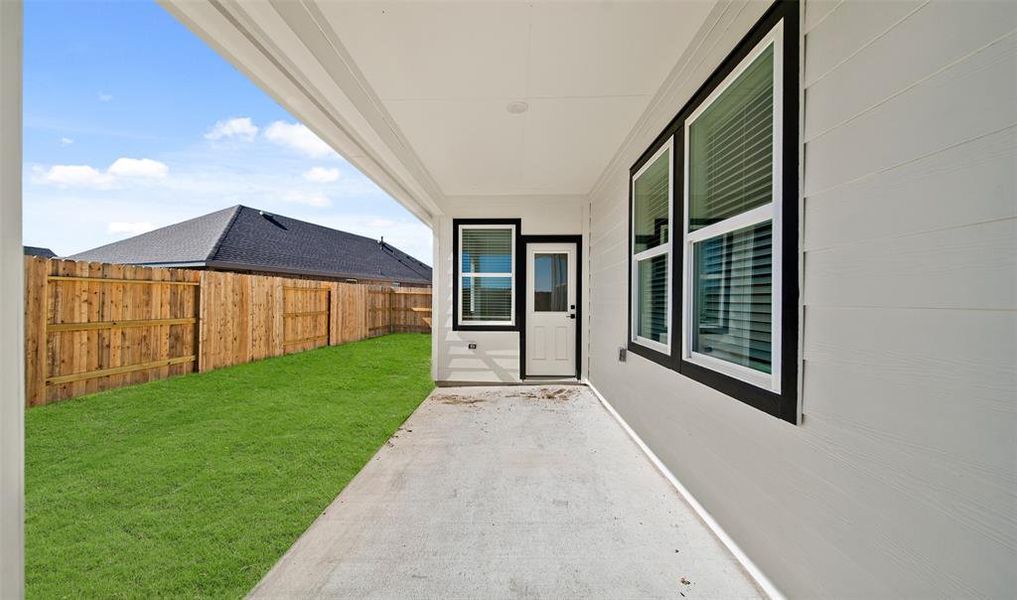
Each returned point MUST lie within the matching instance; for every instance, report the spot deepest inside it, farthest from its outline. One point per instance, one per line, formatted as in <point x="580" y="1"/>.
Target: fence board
<point x="36" y="315"/>
<point x="91" y="327"/>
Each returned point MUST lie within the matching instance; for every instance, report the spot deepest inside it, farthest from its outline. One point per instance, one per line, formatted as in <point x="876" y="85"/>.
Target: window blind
<point x="486" y="298"/>
<point x="486" y="278"/>
<point x="652" y="300"/>
<point x="650" y="203"/>
<point x="731" y="148"/>
<point x="486" y="250"/>
<point x="734" y="286"/>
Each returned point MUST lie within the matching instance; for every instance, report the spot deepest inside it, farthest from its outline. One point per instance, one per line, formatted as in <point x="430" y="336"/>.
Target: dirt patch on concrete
<point x="560" y="394"/>
<point x="456" y="399"/>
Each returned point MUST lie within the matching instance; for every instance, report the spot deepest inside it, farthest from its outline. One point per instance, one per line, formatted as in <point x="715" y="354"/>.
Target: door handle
<point x="572" y="315"/>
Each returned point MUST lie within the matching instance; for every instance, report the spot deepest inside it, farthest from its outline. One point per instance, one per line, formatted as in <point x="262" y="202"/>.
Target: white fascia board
<point x="285" y="49"/>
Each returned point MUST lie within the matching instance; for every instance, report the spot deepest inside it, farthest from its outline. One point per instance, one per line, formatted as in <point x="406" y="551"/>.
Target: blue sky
<point x="133" y="123"/>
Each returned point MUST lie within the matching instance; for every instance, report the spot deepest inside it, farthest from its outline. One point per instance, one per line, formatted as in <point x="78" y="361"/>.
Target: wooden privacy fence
<point x="398" y="311"/>
<point x="91" y="326"/>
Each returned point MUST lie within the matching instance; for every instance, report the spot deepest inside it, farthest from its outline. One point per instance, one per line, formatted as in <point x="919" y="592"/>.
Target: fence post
<point x="199" y="302"/>
<point x="202" y="325"/>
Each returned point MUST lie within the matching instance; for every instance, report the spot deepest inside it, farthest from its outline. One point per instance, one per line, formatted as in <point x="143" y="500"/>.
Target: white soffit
<point x="415" y="93"/>
<point x="445" y="72"/>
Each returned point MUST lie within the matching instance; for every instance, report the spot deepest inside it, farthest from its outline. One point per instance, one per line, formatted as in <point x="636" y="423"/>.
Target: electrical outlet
<point x="621" y="354"/>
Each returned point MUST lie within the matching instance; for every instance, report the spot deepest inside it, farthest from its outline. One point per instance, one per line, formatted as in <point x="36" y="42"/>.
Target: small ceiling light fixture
<point x="517" y="107"/>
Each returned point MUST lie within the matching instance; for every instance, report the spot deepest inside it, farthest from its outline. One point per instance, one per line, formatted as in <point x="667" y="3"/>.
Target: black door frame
<point x="524" y="241"/>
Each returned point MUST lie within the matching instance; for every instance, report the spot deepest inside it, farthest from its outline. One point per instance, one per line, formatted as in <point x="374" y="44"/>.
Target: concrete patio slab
<point x="508" y="492"/>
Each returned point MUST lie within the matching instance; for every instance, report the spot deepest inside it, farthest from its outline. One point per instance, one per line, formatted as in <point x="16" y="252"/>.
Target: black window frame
<point x="783" y="405"/>
<point x="457" y="275"/>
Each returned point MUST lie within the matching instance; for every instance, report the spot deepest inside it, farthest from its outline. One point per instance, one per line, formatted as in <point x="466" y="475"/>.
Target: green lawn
<point x="195" y="486"/>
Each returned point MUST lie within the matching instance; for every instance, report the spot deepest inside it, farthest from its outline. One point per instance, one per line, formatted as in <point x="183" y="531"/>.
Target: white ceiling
<point x="445" y="72"/>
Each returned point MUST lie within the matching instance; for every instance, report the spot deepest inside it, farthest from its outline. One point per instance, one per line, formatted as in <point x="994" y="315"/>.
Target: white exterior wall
<point x="901" y="478"/>
<point x="496" y="358"/>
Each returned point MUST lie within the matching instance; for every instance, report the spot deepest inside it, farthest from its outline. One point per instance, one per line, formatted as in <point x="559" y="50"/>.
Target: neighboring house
<point x="39" y="251"/>
<point x="247" y="240"/>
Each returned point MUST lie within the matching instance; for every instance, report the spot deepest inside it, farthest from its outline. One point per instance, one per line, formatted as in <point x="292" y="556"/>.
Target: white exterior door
<point x="551" y="309"/>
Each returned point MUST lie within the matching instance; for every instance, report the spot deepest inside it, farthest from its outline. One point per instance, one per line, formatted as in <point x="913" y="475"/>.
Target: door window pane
<point x="487" y="298"/>
<point x="652" y="299"/>
<point x="732" y="282"/>
<point x="650" y="203"/>
<point x="550" y="282"/>
<point x="731" y="148"/>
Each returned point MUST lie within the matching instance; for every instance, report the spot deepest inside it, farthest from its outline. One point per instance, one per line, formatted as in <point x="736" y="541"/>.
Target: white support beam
<point x="12" y="363"/>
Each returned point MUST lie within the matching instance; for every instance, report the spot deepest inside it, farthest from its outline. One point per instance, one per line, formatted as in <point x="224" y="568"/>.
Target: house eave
<point x="169" y="264"/>
<point x="336" y="105"/>
<point x="237" y="266"/>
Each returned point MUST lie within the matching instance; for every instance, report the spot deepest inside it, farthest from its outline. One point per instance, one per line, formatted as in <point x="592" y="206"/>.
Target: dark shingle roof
<point x="186" y="242"/>
<point x="244" y="238"/>
<point x="39" y="251"/>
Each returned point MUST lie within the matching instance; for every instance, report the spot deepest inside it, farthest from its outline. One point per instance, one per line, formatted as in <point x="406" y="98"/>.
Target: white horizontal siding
<point x="816" y="11"/>
<point x="901" y="481"/>
<point x="897" y="202"/>
<point x="960" y="267"/>
<point x="846" y="29"/>
<point x="889" y="65"/>
<point x="971" y="99"/>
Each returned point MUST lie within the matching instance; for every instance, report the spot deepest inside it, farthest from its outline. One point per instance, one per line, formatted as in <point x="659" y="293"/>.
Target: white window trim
<point x="474" y="276"/>
<point x="769" y="212"/>
<point x="666" y="247"/>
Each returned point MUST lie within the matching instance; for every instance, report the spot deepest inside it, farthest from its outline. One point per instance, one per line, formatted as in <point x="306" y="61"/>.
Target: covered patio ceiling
<point x="435" y="100"/>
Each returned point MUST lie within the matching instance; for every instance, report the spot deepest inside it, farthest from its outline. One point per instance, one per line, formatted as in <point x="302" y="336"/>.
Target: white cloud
<point x="74" y="175"/>
<point x="240" y="128"/>
<point x="315" y="199"/>
<point x="104" y="97"/>
<point x="297" y="137"/>
<point x="138" y="167"/>
<point x="66" y="141"/>
<point x="122" y="227"/>
<point x="322" y="175"/>
<point x="76" y="213"/>
<point x="89" y="177"/>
